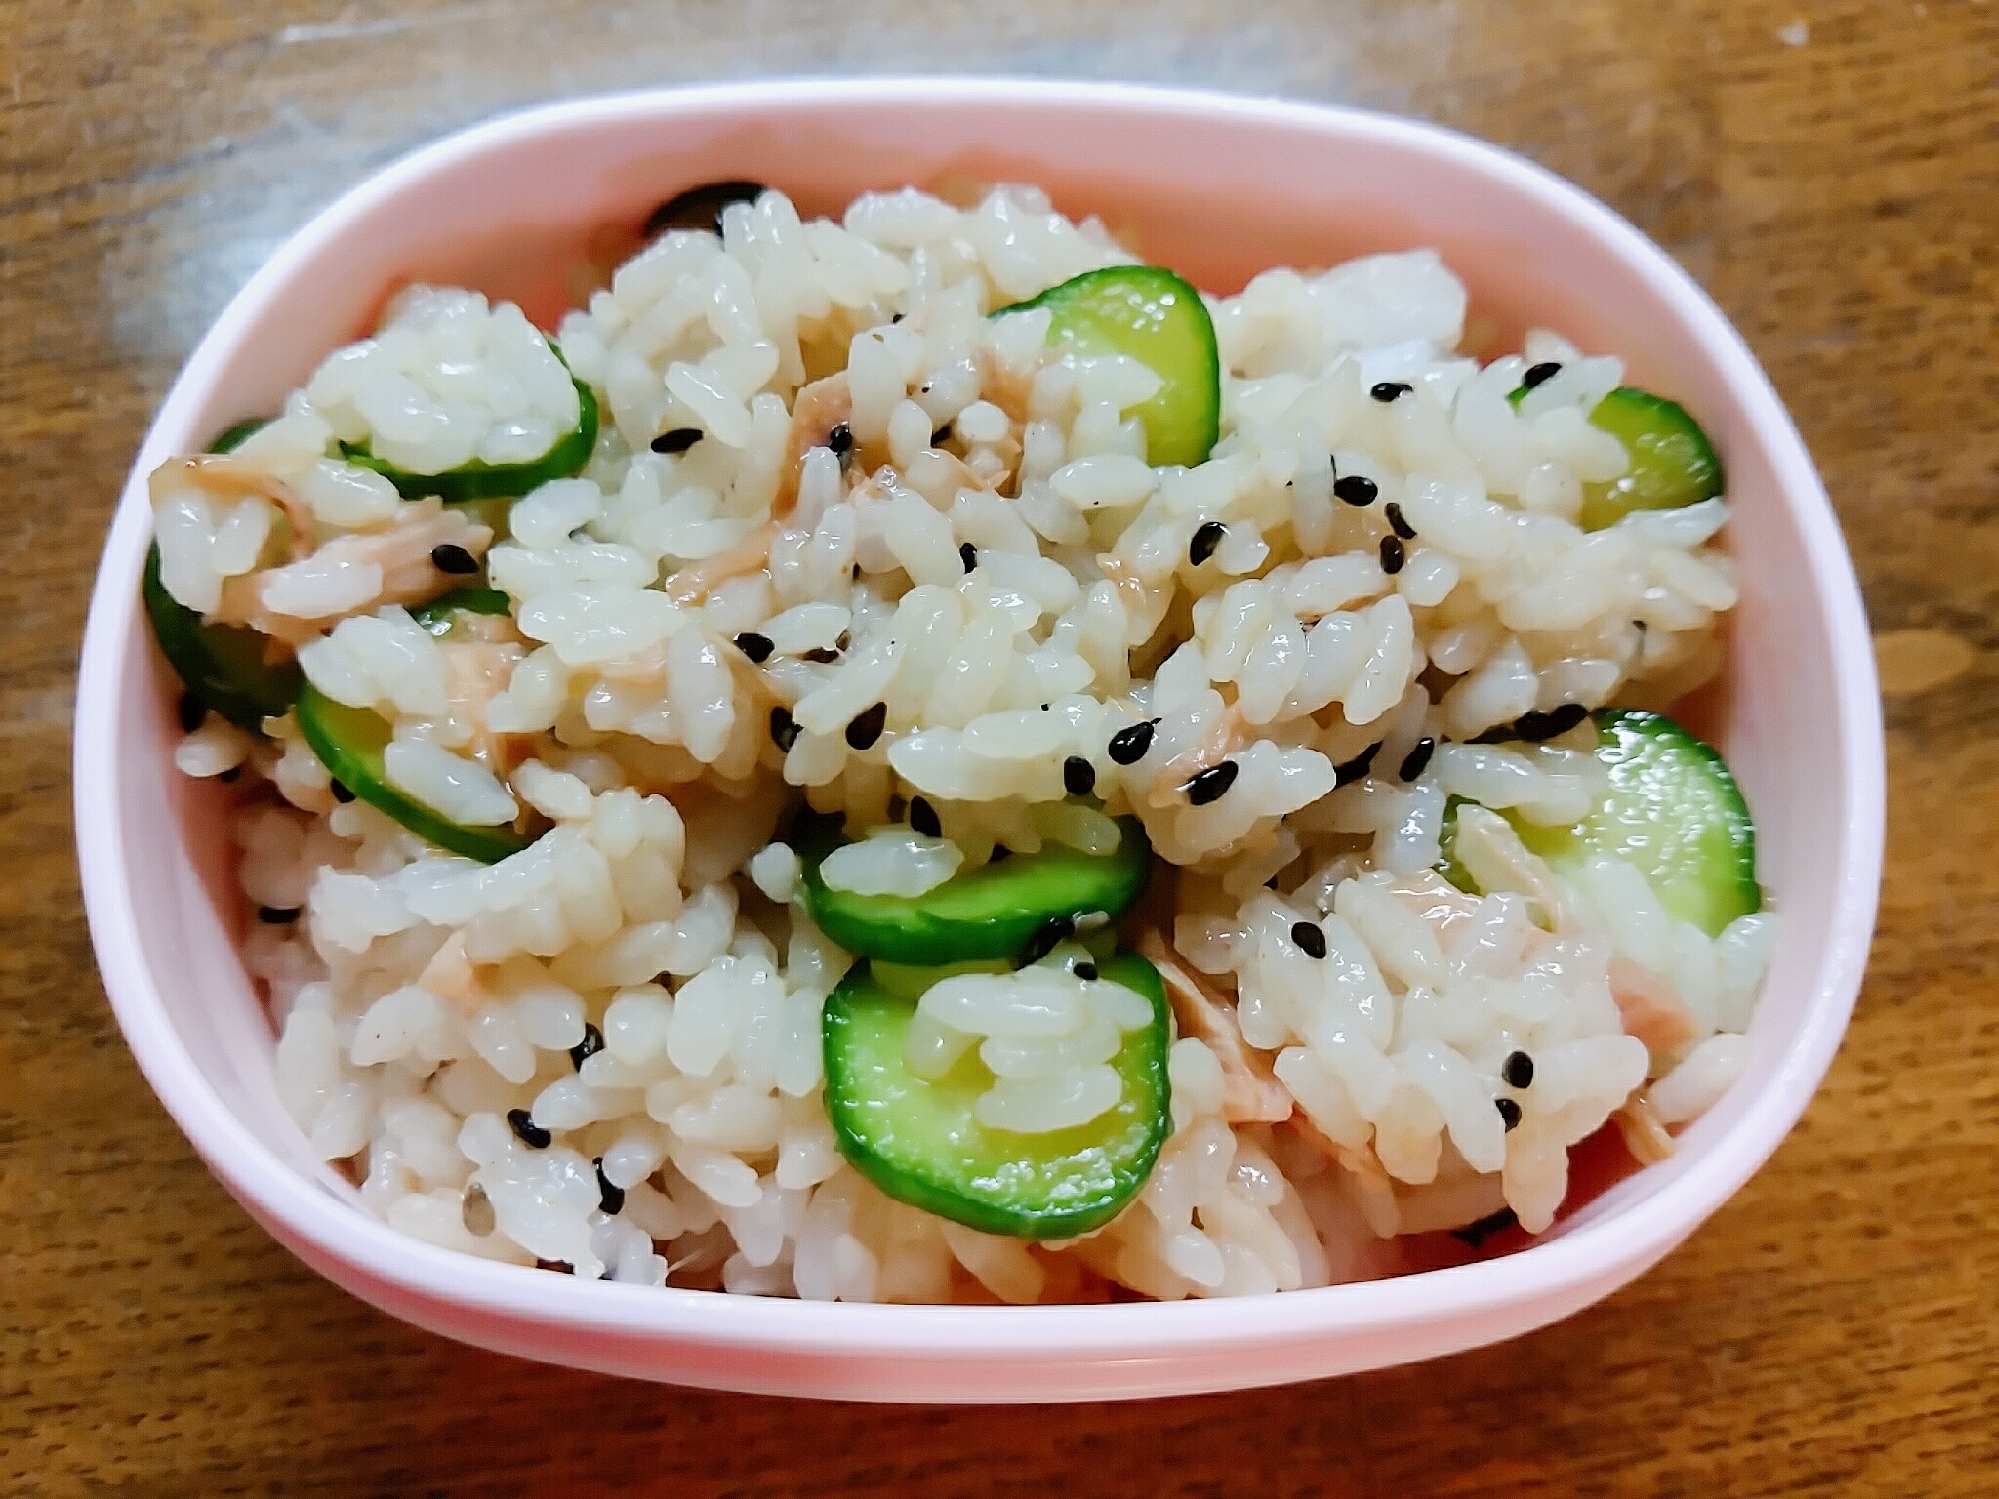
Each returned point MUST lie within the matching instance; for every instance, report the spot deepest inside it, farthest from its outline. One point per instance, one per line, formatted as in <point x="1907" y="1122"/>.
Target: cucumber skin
<point x="435" y="616"/>
<point x="221" y="666"/>
<point x="493" y="481"/>
<point x="859" y="1006"/>
<point x="912" y="931"/>
<point x="336" y="734"/>
<point x="1672" y="461"/>
<point x="1640" y="747"/>
<point x="1632" y="747"/>
<point x="1172" y="436"/>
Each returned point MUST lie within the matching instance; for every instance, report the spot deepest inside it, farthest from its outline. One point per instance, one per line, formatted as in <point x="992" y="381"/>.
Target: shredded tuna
<point x="225" y="478"/>
<point x="475" y="670"/>
<point x="694" y="582"/>
<point x="1442" y="905"/>
<point x="1252" y="1093"/>
<point x="1373" y="1186"/>
<point x="1644" y="1133"/>
<point x="1652" y="1010"/>
<point x="401" y="550"/>
<point x="1487" y="841"/>
<point x="449" y="975"/>
<point x="1223" y="740"/>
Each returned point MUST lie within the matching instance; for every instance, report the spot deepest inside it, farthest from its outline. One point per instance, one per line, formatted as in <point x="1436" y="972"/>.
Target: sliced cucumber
<point x="229" y="439"/>
<point x="1149" y="314"/>
<point x="1672" y="462"/>
<point x="350" y="742"/>
<point x="479" y="480"/>
<point x="1673" y="811"/>
<point x="991" y="912"/>
<point x="921" y="1142"/>
<point x="436" y="616"/>
<point x="223" y="666"/>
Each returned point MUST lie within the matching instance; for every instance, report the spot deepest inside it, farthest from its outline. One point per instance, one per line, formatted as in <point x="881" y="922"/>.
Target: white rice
<point x="638" y="990"/>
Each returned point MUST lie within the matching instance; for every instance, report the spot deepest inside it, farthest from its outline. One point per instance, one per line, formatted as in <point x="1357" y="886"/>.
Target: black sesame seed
<point x="821" y="655"/>
<point x="923" y="819"/>
<point x="1128" y="745"/>
<point x="941" y="436"/>
<point x="228" y="777"/>
<point x="756" y="647"/>
<point x="1356" y="768"/>
<point x="1085" y="970"/>
<point x="340" y="792"/>
<point x="841" y="441"/>
<point x="1387" y="390"/>
<point x="968" y="554"/>
<point x="1540" y="374"/>
<point x="588" y="1047"/>
<point x="1310" y="937"/>
<point x="1079" y="776"/>
<point x="531" y="1134"/>
<point x="844" y="639"/>
<point x="1566" y="717"/>
<point x="1207" y="536"/>
<point x="1047" y="937"/>
<point x="898" y="317"/>
<point x="1397" y="522"/>
<point x="610" y="1198"/>
<point x="277" y="915"/>
<point x="1212" y="784"/>
<point x="191" y="713"/>
<point x="1508" y="1111"/>
<point x="1534" y="727"/>
<point x="867" y="727"/>
<point x="783" y="728"/>
<point x="452" y="558"/>
<point x="678" y="440"/>
<point x="1517" y="1069"/>
<point x="1418" y="759"/>
<point x="1392" y="555"/>
<point x="1357" y="490"/>
<point x="1477" y="1233"/>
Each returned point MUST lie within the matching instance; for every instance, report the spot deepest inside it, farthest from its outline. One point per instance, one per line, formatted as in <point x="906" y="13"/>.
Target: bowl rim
<point x="1579" y="1265"/>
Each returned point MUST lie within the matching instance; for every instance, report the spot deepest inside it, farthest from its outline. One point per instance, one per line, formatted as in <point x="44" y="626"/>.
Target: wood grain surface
<point x="1829" y="171"/>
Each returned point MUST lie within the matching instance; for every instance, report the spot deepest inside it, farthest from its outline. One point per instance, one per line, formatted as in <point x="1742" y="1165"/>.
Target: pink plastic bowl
<point x="1217" y="187"/>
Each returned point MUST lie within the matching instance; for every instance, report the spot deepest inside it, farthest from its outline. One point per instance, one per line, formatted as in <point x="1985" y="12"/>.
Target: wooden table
<point x="1831" y="177"/>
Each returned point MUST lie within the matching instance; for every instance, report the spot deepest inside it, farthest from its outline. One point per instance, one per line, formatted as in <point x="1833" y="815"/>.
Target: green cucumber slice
<point x="1151" y="315"/>
<point x="222" y="666"/>
<point x="479" y="480"/>
<point x="921" y="1143"/>
<point x="1672" y="462"/>
<point x="1673" y="810"/>
<point x="350" y="742"/>
<point x="229" y="439"/>
<point x="436" y="615"/>
<point x="989" y="912"/>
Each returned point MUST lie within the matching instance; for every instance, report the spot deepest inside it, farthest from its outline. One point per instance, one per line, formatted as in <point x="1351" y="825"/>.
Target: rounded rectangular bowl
<point x="1218" y="188"/>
